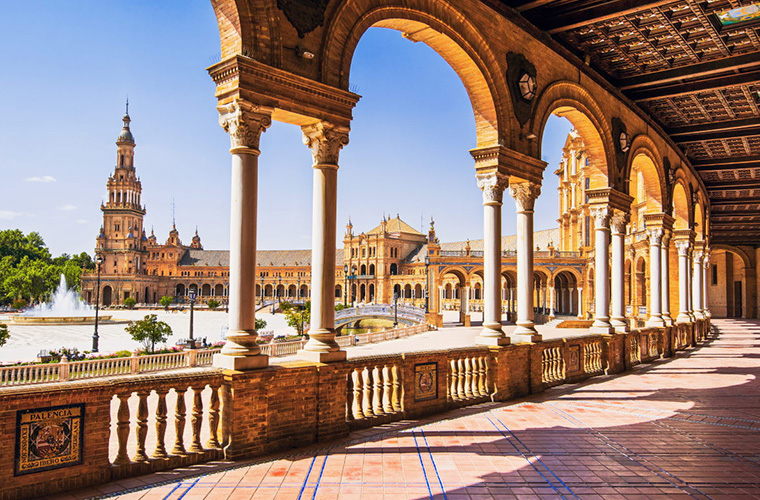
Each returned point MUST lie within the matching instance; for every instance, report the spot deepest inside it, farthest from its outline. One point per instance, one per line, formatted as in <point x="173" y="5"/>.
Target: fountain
<point x="65" y="307"/>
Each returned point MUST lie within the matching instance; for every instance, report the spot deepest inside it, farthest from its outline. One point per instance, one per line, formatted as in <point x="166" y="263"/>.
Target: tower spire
<point x="127" y="113"/>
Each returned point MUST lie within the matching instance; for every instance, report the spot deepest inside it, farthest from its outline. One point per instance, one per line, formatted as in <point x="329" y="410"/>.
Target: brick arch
<point x="682" y="206"/>
<point x="442" y="28"/>
<point x="576" y="274"/>
<point x="701" y="208"/>
<point x="250" y="28"/>
<point x="645" y="157"/>
<point x="572" y="101"/>
<point x="742" y="254"/>
<point x="460" y="273"/>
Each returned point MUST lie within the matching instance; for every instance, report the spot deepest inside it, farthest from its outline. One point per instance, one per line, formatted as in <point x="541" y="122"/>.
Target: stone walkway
<point x="680" y="428"/>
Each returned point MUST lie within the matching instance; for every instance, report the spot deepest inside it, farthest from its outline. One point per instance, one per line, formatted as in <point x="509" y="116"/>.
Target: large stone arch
<point x="645" y="157"/>
<point x="577" y="274"/>
<point x="442" y="27"/>
<point x="572" y="101"/>
<point x="682" y="208"/>
<point x="249" y="28"/>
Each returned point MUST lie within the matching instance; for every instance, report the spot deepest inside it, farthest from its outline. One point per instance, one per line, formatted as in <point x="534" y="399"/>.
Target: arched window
<point x="372" y="269"/>
<point x="394" y="269"/>
<point x="363" y="270"/>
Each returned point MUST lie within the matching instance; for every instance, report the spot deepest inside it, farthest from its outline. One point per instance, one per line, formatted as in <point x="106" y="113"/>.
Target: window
<point x="715" y="274"/>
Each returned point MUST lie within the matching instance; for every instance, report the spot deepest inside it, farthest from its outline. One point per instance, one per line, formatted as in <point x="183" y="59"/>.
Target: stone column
<point x="244" y="123"/>
<point x="697" y="288"/>
<point x="690" y="283"/>
<point x="655" y="285"/>
<point x="525" y="195"/>
<point x="665" y="278"/>
<point x="325" y="141"/>
<point x="617" y="284"/>
<point x="683" y="247"/>
<point x="552" y="292"/>
<point x="580" y="302"/>
<point x="492" y="184"/>
<point x="705" y="277"/>
<point x="601" y="270"/>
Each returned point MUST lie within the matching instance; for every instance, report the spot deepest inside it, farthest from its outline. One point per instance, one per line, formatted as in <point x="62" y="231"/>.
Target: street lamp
<point x="95" y="336"/>
<point x="279" y="284"/>
<point x="353" y="291"/>
<point x="261" y="277"/>
<point x="395" y="310"/>
<point x="191" y="340"/>
<point x="427" y="284"/>
<point x="298" y="289"/>
<point x="227" y="296"/>
<point x="345" y="285"/>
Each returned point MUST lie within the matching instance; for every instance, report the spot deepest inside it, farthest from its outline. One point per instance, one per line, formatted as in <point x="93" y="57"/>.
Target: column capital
<point x="325" y="141"/>
<point x="618" y="222"/>
<point x="698" y="255"/>
<point x="493" y="185"/>
<point x="683" y="247"/>
<point x="525" y="194"/>
<point x="655" y="236"/>
<point x="244" y="122"/>
<point x="601" y="215"/>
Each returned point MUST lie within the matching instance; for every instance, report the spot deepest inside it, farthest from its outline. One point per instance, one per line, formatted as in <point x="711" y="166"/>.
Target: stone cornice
<point x="296" y="99"/>
<point x="509" y="162"/>
<point x="659" y="220"/>
<point x="612" y="197"/>
<point x="683" y="235"/>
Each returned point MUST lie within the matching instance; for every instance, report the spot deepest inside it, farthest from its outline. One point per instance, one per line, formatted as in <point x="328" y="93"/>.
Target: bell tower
<point x="120" y="241"/>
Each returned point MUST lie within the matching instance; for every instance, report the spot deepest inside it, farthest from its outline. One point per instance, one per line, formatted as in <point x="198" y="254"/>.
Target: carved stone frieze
<point x="244" y="122"/>
<point x="325" y="141"/>
<point x="525" y="194"/>
<point x="493" y="185"/>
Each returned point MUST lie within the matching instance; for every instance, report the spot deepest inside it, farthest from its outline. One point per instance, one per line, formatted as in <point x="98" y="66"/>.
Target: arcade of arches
<point x="634" y="229"/>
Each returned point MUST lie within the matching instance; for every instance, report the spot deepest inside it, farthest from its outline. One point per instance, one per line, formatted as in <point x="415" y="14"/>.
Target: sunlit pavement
<point x="686" y="427"/>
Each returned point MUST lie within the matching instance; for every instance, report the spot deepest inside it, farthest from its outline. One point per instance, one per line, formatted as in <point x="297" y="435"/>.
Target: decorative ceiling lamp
<point x="624" y="141"/>
<point x="527" y="86"/>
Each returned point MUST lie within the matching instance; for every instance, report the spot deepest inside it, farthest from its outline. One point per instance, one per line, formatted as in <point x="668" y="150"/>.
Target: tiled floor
<point x="687" y="427"/>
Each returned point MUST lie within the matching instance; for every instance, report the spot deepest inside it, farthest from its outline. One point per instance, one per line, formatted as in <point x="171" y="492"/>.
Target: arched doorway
<point x="107" y="295"/>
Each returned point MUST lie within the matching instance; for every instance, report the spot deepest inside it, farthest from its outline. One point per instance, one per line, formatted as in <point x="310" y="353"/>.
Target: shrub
<point x="260" y="324"/>
<point x="130" y="302"/>
<point x="212" y="304"/>
<point x="165" y="301"/>
<point x="4" y="335"/>
<point x="340" y="307"/>
<point x="149" y="331"/>
<point x="18" y="304"/>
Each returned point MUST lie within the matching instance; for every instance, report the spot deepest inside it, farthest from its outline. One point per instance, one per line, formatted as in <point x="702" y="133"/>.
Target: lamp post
<point x="345" y="285"/>
<point x="261" y="284"/>
<point x="279" y="284"/>
<point x="395" y="310"/>
<point x="353" y="277"/>
<point x="226" y="296"/>
<point x="191" y="340"/>
<point x="95" y="336"/>
<point x="427" y="284"/>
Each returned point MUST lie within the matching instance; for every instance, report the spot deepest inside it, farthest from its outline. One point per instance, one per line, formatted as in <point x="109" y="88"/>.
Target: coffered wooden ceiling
<point x="698" y="78"/>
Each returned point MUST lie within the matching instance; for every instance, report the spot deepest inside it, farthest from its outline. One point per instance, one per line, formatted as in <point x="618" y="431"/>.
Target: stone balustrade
<point x="162" y="420"/>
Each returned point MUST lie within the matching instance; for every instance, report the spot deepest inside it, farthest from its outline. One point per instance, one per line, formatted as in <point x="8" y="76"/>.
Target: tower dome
<point x="126" y="134"/>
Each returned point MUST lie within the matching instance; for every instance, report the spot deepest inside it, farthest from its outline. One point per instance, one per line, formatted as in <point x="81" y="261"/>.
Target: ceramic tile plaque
<point x="425" y="381"/>
<point x="49" y="438"/>
<point x="574" y="361"/>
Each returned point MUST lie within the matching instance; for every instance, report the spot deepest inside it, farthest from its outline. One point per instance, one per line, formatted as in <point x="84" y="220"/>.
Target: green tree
<point x="260" y="324"/>
<point x="285" y="306"/>
<point x="212" y="304"/>
<point x="149" y="331"/>
<point x="130" y="302"/>
<point x="4" y="335"/>
<point x="298" y="317"/>
<point x="165" y="301"/>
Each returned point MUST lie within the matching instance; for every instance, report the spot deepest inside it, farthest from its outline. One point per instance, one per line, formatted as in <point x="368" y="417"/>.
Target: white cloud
<point x="82" y="221"/>
<point x="67" y="208"/>
<point x="9" y="215"/>
<point x="43" y="178"/>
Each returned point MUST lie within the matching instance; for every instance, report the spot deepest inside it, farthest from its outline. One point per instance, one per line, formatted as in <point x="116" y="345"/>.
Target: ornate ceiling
<point x="695" y="74"/>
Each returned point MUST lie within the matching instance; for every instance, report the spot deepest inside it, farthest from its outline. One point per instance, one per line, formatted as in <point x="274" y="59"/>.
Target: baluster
<point x="377" y="396"/>
<point x="356" y="405"/>
<point x="483" y="372"/>
<point x="453" y="378"/>
<point x="122" y="429"/>
<point x="387" y="406"/>
<point x="366" y="393"/>
<point x="213" y="418"/>
<point x="142" y="425"/>
<point x="460" y="379"/>
<point x="160" y="424"/>
<point x="179" y="422"/>
<point x="197" y="419"/>
<point x="467" y="378"/>
<point x="395" y="397"/>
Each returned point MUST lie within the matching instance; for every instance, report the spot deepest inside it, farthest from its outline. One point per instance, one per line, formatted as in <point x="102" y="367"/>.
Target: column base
<point x="619" y="325"/>
<point x="321" y="357"/>
<point x="667" y="319"/>
<point x="683" y="319"/>
<point x="526" y="332"/>
<point x="601" y="326"/>
<point x="492" y="341"/>
<point x="655" y="322"/>
<point x="240" y="363"/>
<point x="699" y="315"/>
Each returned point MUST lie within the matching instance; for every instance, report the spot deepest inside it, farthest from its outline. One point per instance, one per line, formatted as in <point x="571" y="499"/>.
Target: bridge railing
<point x="410" y="313"/>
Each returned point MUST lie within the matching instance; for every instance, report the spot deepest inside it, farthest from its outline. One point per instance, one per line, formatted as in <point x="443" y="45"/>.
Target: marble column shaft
<point x="665" y="278"/>
<point x="525" y="195"/>
<point x="683" y="281"/>
<point x="601" y="270"/>
<point x="617" y="284"/>
<point x="698" y="274"/>
<point x="655" y="284"/>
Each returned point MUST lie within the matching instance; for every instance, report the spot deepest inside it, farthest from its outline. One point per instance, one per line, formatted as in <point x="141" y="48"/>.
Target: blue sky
<point x="67" y="74"/>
